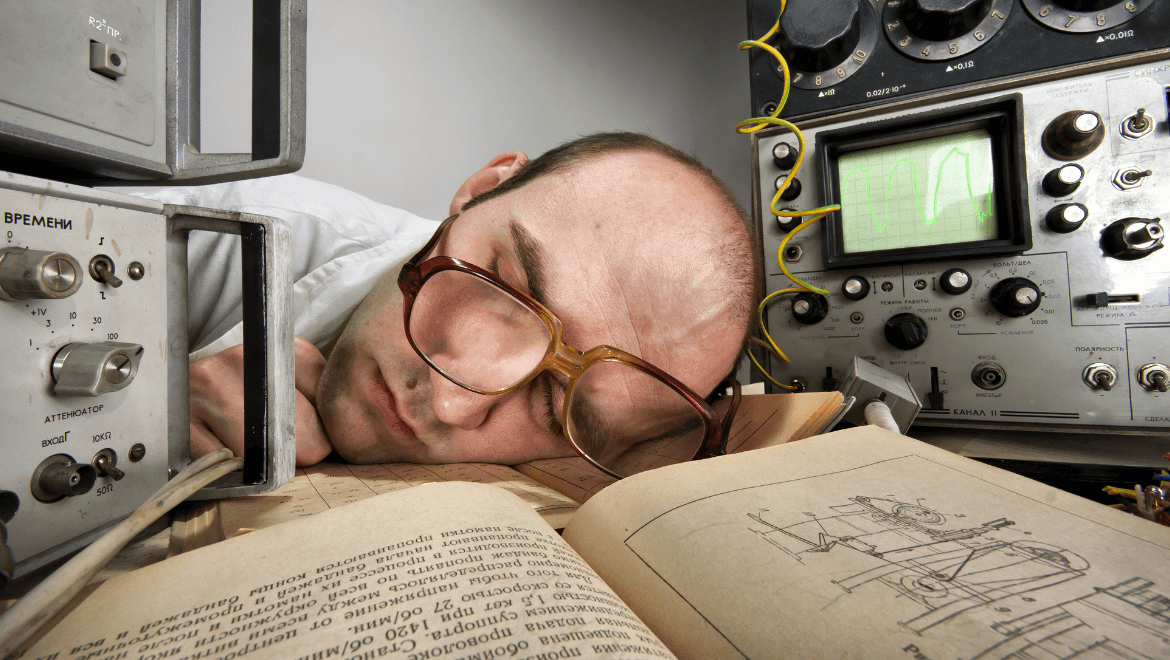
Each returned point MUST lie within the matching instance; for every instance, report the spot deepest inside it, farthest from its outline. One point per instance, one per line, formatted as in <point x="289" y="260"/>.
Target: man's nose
<point x="458" y="407"/>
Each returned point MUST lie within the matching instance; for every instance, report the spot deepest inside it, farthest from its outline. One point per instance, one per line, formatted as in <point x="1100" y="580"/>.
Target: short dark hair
<point x="743" y="258"/>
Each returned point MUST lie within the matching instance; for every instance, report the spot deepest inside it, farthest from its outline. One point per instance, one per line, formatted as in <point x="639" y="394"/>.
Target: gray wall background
<point x="405" y="99"/>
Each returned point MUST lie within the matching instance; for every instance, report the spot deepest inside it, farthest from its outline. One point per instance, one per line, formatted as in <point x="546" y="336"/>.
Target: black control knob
<point x="938" y="20"/>
<point x="784" y="155"/>
<point x="855" y="287"/>
<point x="787" y="224"/>
<point x="1016" y="296"/>
<point x="1063" y="180"/>
<point x="1073" y="134"/>
<point x="1132" y="238"/>
<point x="809" y="308"/>
<point x="792" y="191"/>
<point x="906" y="331"/>
<point x="1066" y="217"/>
<point x="955" y="281"/>
<point x="816" y="35"/>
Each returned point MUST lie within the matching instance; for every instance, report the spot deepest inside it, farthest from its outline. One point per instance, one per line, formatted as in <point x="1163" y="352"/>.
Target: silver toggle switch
<point x="81" y="369"/>
<point x="1100" y="376"/>
<point x="26" y="274"/>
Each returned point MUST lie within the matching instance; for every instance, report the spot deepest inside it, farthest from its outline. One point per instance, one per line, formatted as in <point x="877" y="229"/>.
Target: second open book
<point x="857" y="543"/>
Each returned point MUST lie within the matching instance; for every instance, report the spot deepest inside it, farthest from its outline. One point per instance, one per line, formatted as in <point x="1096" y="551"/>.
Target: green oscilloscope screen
<point x="936" y="191"/>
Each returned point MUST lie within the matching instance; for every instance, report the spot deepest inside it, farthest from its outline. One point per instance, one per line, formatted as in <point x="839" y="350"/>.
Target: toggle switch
<point x="1154" y="376"/>
<point x="101" y="269"/>
<point x="1100" y="376"/>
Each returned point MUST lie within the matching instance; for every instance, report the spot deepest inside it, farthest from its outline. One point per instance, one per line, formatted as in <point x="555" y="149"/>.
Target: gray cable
<point x="28" y="614"/>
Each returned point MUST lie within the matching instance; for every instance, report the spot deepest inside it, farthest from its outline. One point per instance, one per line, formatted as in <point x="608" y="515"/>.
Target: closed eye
<point x="551" y="389"/>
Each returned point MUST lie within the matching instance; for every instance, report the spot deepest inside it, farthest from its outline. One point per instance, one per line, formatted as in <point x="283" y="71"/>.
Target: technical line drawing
<point x="965" y="571"/>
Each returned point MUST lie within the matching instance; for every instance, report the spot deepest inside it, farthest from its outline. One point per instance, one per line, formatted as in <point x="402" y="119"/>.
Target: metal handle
<point x="269" y="404"/>
<point x="278" y="94"/>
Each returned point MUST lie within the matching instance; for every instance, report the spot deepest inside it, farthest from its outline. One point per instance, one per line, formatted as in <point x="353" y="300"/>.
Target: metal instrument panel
<point x="39" y="423"/>
<point x="1044" y="354"/>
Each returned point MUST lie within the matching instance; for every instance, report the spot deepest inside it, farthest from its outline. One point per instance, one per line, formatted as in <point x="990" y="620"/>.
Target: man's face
<point x="620" y="247"/>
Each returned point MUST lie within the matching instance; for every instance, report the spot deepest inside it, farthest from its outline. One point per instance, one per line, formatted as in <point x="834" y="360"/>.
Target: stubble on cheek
<point x="339" y="411"/>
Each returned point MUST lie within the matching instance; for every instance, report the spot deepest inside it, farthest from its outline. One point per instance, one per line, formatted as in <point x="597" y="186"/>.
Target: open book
<point x="553" y="487"/>
<point x="857" y="543"/>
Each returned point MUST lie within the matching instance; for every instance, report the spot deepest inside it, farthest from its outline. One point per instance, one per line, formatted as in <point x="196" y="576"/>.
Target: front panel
<point x="85" y="367"/>
<point x="1028" y="294"/>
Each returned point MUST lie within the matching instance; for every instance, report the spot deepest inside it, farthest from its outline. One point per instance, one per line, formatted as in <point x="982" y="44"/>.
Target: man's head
<point x="630" y="242"/>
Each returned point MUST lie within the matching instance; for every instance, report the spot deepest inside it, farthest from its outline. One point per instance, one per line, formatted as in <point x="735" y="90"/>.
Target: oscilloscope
<point x="1003" y="201"/>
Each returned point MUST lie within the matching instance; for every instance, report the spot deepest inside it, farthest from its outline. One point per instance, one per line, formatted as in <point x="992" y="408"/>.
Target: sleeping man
<point x="630" y="243"/>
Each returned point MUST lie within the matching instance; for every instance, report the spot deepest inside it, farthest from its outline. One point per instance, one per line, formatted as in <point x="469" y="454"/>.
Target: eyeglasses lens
<point x="630" y="421"/>
<point x="475" y="333"/>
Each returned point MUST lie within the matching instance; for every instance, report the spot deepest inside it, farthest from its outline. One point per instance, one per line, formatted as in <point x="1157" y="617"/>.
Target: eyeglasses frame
<point x="558" y="357"/>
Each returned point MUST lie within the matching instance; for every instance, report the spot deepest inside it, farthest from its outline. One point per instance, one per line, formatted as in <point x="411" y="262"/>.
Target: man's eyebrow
<point x="531" y="260"/>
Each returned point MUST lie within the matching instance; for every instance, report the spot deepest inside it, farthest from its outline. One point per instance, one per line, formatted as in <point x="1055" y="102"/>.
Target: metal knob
<point x="1132" y="238"/>
<point x="1065" y="218"/>
<point x="1063" y="180"/>
<point x="855" y="287"/>
<point x="26" y="274"/>
<point x="784" y="155"/>
<point x="810" y="308"/>
<point x="955" y="281"/>
<point x="1016" y="296"/>
<point x="95" y="369"/>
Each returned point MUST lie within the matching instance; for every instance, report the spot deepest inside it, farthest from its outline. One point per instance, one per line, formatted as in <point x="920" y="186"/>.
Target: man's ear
<point x="498" y="170"/>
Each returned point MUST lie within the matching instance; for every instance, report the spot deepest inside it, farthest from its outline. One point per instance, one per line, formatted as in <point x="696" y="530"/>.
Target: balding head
<point x="633" y="245"/>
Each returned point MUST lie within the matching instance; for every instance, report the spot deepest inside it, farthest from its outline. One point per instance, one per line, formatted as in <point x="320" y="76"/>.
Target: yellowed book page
<point x="766" y="420"/>
<point x="574" y="476"/>
<point x="763" y="420"/>
<point x="446" y="570"/>
<point x="327" y="485"/>
<point x="866" y="544"/>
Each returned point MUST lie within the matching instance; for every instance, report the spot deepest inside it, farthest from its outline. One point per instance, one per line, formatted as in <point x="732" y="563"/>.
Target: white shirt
<point x="343" y="243"/>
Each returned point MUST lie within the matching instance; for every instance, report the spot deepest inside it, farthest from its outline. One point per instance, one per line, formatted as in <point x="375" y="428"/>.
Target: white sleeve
<point x="343" y="243"/>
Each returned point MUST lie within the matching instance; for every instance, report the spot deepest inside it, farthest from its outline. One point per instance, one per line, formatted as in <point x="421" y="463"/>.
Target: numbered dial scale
<point x="846" y="54"/>
<point x="1005" y="252"/>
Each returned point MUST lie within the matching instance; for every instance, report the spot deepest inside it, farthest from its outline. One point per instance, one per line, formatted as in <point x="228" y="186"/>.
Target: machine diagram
<point x="962" y="574"/>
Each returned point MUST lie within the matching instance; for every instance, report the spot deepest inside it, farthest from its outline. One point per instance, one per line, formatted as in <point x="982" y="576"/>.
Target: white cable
<point x="28" y="614"/>
<point x="878" y="413"/>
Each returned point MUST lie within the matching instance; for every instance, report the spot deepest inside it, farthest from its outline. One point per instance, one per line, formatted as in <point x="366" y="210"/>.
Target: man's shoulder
<point x="303" y="202"/>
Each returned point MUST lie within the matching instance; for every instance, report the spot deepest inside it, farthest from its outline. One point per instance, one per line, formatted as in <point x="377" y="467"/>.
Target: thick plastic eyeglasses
<point x="621" y="413"/>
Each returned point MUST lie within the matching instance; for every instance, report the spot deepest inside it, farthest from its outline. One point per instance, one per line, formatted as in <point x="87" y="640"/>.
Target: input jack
<point x="59" y="476"/>
<point x="988" y="376"/>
